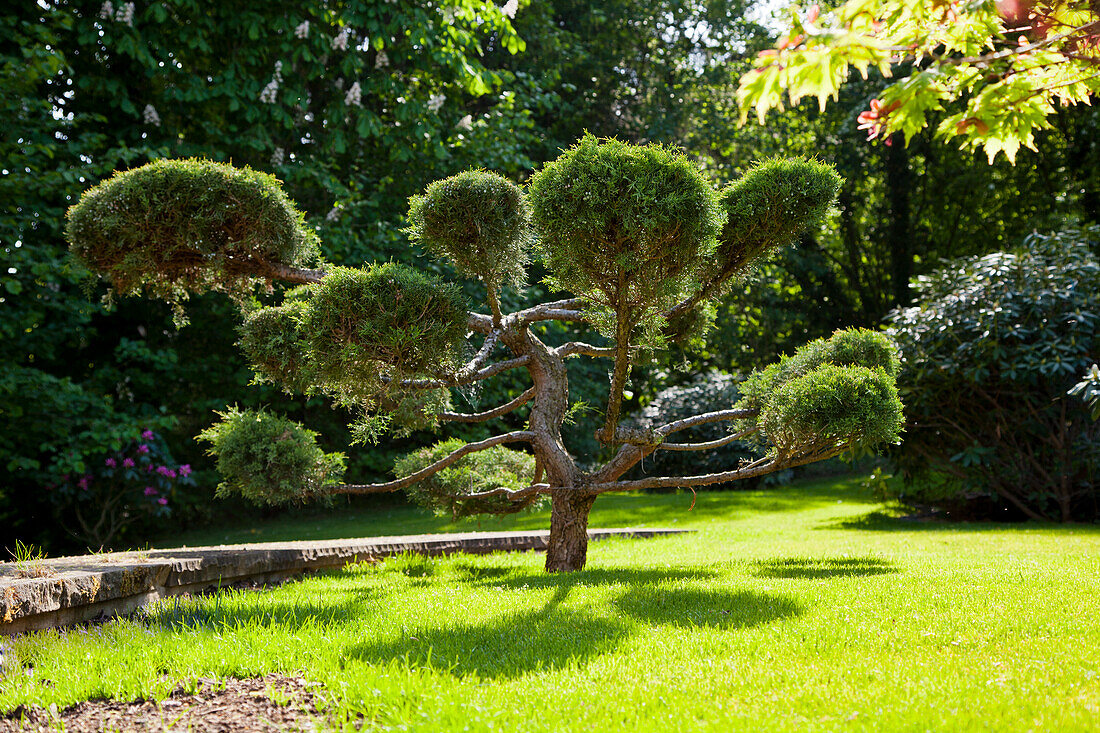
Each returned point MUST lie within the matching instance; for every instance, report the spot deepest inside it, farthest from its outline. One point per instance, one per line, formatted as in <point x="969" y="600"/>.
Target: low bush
<point x="988" y="359"/>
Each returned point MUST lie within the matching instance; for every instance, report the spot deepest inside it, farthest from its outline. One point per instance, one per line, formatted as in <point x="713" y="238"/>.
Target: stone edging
<point x="70" y="590"/>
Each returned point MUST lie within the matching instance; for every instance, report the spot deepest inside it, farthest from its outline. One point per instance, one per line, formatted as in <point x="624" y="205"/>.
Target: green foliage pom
<point x="272" y="341"/>
<point x="628" y="227"/>
<point x="496" y="467"/>
<point x="770" y="206"/>
<point x="269" y="459"/>
<point x="833" y="407"/>
<point x="367" y="328"/>
<point x="847" y="347"/>
<point x="480" y="221"/>
<point x="174" y="227"/>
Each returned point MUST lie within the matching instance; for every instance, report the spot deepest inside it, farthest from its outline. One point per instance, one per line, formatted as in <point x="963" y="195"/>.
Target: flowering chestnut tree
<point x="989" y="73"/>
<point x="637" y="238"/>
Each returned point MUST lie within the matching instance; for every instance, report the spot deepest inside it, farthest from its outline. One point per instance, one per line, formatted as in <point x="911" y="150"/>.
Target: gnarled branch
<point x="485" y="373"/>
<point x="756" y="468"/>
<point x="579" y="347"/>
<point x="489" y="414"/>
<point x="708" y="445"/>
<point x="513" y="437"/>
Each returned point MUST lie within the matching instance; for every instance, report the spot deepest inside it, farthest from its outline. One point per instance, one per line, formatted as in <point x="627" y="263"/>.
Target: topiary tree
<point x="637" y="235"/>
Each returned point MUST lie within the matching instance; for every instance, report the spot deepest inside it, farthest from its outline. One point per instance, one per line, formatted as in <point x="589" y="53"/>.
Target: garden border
<point x="48" y="593"/>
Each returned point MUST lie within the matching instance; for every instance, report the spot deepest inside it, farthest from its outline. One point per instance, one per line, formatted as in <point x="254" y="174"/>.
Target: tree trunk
<point x="568" y="546"/>
<point x="899" y="182"/>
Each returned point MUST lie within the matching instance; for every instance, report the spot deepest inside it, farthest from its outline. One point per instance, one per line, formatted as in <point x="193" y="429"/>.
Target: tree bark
<point x="567" y="549"/>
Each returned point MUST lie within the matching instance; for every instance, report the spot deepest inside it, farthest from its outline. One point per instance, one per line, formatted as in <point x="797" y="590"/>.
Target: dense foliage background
<point x="358" y="104"/>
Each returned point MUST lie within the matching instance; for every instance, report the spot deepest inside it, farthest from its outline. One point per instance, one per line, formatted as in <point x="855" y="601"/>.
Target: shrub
<point x="269" y="459"/>
<point x="179" y="226"/>
<point x="119" y="489"/>
<point x="443" y="492"/>
<point x="987" y="360"/>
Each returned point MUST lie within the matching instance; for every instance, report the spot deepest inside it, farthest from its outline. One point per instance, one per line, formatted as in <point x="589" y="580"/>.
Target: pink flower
<point x="162" y="470"/>
<point x="143" y="448"/>
<point x="185" y="470"/>
<point x="150" y="491"/>
<point x="128" y="462"/>
<point x="83" y="483"/>
<point x="110" y="462"/>
<point x="162" y="501"/>
<point x="149" y="469"/>
<point x="147" y="435"/>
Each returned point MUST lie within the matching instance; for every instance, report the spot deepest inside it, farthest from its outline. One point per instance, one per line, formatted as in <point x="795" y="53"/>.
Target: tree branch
<point x="756" y="468"/>
<point x="708" y="445"/>
<point x="513" y="437"/>
<point x="293" y="274"/>
<point x="579" y="347"/>
<point x="489" y="414"/>
<point x="489" y="371"/>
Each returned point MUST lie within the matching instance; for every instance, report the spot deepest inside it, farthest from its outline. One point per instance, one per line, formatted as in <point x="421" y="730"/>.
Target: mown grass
<point x="805" y="607"/>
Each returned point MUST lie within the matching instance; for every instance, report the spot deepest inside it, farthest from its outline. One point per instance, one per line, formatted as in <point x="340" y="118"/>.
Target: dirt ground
<point x="271" y="703"/>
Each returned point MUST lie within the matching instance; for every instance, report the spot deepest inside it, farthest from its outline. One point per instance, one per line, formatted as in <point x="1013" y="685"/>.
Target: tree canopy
<point x="996" y="70"/>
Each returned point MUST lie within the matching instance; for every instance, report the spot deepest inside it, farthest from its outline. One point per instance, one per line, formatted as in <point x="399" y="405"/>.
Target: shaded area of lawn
<point x="808" y="607"/>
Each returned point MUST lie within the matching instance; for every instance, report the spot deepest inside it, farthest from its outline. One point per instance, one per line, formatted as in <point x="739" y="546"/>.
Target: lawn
<point x="806" y="607"/>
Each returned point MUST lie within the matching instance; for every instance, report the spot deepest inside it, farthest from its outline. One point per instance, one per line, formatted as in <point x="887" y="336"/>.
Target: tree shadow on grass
<point x="504" y="647"/>
<point x="589" y="577"/>
<point x="692" y="607"/>
<point x="822" y="567"/>
<point x="879" y="521"/>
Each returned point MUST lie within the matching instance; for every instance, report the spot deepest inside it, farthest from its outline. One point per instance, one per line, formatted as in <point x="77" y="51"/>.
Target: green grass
<point x="800" y="608"/>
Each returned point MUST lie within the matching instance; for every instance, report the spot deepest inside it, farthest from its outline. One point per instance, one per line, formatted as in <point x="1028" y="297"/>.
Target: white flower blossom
<point x="271" y="92"/>
<point x="466" y="123"/>
<point x="302" y="30"/>
<point x="354" y="96"/>
<point x="278" y="156"/>
<point x="340" y="42"/>
<point x="448" y="15"/>
<point x="510" y="8"/>
<point x="125" y="14"/>
<point x="435" y="102"/>
<point x="107" y="12"/>
<point x="382" y="60"/>
<point x="150" y="115"/>
<point x="334" y="214"/>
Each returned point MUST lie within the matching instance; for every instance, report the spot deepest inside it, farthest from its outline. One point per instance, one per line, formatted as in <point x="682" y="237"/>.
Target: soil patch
<point x="271" y="703"/>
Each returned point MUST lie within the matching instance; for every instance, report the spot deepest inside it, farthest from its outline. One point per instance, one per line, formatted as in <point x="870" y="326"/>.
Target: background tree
<point x="637" y="233"/>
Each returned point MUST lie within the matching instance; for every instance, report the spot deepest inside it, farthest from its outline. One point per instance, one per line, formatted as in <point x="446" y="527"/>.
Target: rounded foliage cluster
<point x="367" y="328"/>
<point x="179" y="226"/>
<point x="628" y="227"/>
<point x="272" y="341"/>
<point x="444" y="492"/>
<point x="833" y="407"/>
<point x="478" y="220"/>
<point x="987" y="360"/>
<point x="769" y="206"/>
<point x="269" y="459"/>
<point x="835" y="393"/>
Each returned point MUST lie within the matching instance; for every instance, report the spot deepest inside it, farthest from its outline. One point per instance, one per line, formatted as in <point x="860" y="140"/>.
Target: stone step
<point x="69" y="590"/>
